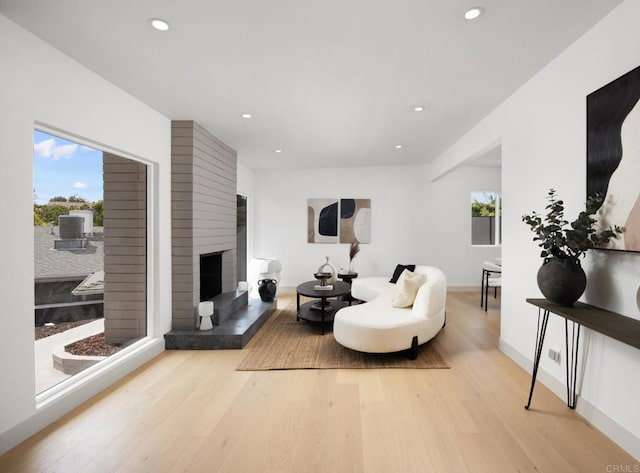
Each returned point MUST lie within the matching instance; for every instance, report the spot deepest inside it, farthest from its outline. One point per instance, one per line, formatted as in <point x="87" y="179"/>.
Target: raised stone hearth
<point x="238" y="321"/>
<point x="225" y="304"/>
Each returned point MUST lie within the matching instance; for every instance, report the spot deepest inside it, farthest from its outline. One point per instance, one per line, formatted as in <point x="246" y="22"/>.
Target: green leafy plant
<point x="483" y="209"/>
<point x="563" y="239"/>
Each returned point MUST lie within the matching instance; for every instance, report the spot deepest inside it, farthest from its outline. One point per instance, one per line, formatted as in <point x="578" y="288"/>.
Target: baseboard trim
<point x="617" y="433"/>
<point x="58" y="402"/>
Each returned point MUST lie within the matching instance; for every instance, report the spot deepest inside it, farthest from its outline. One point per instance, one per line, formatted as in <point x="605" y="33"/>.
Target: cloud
<point x="44" y="148"/>
<point x="49" y="148"/>
<point x="64" y="151"/>
<point x="80" y="185"/>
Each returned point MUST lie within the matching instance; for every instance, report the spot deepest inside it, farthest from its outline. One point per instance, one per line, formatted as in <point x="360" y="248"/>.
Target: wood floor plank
<point x="190" y="411"/>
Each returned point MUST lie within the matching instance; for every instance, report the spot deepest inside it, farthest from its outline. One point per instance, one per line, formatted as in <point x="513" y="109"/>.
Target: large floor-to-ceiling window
<point x="90" y="254"/>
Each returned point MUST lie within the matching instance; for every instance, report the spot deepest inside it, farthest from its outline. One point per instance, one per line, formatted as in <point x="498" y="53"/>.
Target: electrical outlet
<point x="554" y="355"/>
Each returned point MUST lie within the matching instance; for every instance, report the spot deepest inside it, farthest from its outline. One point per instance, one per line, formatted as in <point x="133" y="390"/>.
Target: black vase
<point x="267" y="289"/>
<point x="562" y="280"/>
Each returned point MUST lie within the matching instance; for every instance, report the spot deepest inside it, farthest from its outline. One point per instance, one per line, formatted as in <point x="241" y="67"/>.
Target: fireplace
<point x="204" y="245"/>
<point x="210" y="275"/>
<point x="203" y="214"/>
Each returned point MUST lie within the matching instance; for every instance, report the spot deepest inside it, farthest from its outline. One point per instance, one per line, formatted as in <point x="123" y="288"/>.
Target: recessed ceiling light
<point x="418" y="109"/>
<point x="246" y="115"/>
<point x="473" y="13"/>
<point x="398" y="146"/>
<point x="159" y="24"/>
<point x="278" y="151"/>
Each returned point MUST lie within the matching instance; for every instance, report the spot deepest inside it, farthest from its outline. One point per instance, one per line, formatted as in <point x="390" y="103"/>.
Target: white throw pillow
<point x="407" y="288"/>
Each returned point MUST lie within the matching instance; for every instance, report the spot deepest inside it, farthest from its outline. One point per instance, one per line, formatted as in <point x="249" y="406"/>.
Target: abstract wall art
<point x="339" y="220"/>
<point x="322" y="220"/>
<point x="355" y="220"/>
<point x="613" y="157"/>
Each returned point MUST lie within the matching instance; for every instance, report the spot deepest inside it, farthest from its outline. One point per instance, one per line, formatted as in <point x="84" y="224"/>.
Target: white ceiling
<point x="332" y="83"/>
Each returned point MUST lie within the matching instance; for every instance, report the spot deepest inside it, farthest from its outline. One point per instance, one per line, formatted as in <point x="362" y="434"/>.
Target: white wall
<point x="542" y="128"/>
<point x="448" y="201"/>
<point x="281" y="219"/>
<point x="38" y="84"/>
<point x="412" y="220"/>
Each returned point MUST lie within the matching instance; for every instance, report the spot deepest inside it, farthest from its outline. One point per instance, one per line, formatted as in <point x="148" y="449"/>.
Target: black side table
<point x="347" y="277"/>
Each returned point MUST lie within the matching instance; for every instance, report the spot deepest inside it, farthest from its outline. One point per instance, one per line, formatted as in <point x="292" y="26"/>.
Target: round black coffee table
<point x="321" y="310"/>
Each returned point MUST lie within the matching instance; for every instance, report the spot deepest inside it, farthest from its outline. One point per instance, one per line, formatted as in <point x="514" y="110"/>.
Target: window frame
<point x="73" y="383"/>
<point x="497" y="219"/>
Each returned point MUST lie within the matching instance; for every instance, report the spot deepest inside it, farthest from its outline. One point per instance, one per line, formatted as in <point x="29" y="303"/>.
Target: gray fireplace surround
<point x="203" y="206"/>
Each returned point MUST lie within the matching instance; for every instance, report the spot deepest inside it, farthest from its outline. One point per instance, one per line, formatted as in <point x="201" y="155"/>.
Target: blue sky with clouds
<point x="62" y="167"/>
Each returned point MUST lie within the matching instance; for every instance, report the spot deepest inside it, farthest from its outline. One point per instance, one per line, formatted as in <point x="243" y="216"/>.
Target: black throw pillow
<point x="399" y="269"/>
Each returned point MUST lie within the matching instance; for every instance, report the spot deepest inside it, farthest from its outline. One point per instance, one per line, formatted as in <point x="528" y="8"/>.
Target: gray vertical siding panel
<point x="125" y="245"/>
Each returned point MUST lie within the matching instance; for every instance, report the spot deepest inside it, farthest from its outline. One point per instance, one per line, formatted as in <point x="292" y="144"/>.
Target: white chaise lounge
<point x="378" y="327"/>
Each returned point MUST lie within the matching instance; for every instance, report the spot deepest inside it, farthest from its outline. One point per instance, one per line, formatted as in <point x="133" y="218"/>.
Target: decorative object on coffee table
<point x="561" y="278"/>
<point x="327" y="267"/>
<point x="323" y="277"/>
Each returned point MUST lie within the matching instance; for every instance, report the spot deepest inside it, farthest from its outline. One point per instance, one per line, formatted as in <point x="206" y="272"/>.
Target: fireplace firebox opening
<point x="210" y="275"/>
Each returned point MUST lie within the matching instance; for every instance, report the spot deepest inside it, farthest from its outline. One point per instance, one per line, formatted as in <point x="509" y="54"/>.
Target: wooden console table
<point x="617" y="326"/>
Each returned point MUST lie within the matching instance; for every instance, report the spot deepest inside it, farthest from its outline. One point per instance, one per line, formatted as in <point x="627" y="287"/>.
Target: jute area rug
<point x="285" y="344"/>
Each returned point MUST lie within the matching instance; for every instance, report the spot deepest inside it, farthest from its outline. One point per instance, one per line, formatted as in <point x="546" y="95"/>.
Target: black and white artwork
<point x="339" y="220"/>
<point x="613" y="157"/>
<point x="322" y="220"/>
<point x="355" y="220"/>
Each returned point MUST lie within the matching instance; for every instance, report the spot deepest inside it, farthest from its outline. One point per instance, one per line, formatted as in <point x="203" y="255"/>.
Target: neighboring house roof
<point x="54" y="264"/>
<point x="91" y="285"/>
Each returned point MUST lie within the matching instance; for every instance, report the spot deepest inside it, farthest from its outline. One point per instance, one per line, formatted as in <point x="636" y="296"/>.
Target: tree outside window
<point x="486" y="213"/>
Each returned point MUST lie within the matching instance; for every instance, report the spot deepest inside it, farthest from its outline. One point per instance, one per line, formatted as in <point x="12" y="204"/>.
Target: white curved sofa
<point x="378" y="327"/>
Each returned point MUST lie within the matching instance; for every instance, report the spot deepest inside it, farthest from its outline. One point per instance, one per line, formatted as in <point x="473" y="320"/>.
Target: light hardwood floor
<point x="190" y="411"/>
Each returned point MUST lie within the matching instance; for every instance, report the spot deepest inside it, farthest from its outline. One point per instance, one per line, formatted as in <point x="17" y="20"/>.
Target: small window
<point x="486" y="218"/>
